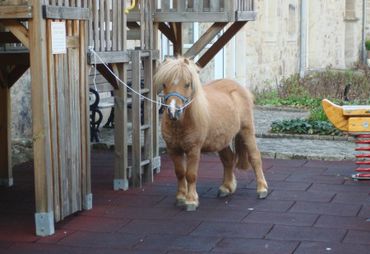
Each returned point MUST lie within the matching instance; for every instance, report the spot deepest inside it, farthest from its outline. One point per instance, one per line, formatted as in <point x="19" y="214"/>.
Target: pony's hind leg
<point x="254" y="156"/>
<point x="178" y="159"/>
<point x="228" y="161"/>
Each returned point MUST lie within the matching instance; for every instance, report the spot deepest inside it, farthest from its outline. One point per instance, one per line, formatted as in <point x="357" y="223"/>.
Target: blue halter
<point x="176" y="94"/>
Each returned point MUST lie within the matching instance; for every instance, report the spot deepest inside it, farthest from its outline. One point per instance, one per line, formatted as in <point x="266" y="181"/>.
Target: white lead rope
<point x="127" y="86"/>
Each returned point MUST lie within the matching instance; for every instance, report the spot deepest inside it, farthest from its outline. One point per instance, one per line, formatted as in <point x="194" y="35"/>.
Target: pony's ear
<point x="186" y="60"/>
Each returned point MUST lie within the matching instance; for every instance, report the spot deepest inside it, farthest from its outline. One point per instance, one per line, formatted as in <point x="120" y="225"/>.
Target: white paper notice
<point x="58" y="38"/>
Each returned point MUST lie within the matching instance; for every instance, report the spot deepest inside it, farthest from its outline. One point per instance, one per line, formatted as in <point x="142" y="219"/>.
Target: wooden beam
<point x="108" y="75"/>
<point x="19" y="31"/>
<point x="177" y="46"/>
<point x="220" y="43"/>
<point x="166" y="30"/>
<point x="62" y="12"/>
<point x="206" y="38"/>
<point x="6" y="178"/>
<point x="15" y="12"/>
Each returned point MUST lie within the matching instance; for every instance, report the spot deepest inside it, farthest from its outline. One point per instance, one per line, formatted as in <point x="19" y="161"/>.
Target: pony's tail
<point x="242" y="160"/>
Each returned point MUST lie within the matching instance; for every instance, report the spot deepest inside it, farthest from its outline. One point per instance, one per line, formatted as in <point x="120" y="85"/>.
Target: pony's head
<point x="179" y="80"/>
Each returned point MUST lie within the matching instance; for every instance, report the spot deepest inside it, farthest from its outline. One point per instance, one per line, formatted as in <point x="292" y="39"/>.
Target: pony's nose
<point x="174" y="114"/>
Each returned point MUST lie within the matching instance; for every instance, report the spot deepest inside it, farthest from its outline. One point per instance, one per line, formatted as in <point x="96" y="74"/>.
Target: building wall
<point x="268" y="49"/>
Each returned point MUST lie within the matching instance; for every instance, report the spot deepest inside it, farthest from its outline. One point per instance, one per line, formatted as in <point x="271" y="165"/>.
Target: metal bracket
<point x="156" y="164"/>
<point x="87" y="205"/>
<point x="44" y="224"/>
<point x="120" y="184"/>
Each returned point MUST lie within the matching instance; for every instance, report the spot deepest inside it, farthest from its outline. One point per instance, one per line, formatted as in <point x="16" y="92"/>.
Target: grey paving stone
<point x="279" y="218"/>
<point x="326" y="208"/>
<point x="357" y="237"/>
<point x="327" y="248"/>
<point x="343" y="222"/>
<point x="257" y="246"/>
<point x="283" y="232"/>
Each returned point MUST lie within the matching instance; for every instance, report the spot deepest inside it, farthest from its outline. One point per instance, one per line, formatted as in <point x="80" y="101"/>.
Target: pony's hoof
<point x="191" y="207"/>
<point x="223" y="194"/>
<point x="180" y="202"/>
<point x="262" y="194"/>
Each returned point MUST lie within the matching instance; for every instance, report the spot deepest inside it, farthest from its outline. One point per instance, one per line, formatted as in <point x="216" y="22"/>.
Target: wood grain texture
<point x="335" y="115"/>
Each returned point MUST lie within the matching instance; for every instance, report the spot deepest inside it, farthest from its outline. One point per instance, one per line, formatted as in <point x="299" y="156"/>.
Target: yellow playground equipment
<point x="356" y="121"/>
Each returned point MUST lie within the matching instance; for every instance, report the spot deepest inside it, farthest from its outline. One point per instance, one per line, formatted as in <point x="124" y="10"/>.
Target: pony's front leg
<point x="178" y="159"/>
<point x="192" y="199"/>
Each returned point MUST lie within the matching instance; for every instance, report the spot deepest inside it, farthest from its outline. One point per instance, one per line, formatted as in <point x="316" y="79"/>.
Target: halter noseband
<point x="176" y="94"/>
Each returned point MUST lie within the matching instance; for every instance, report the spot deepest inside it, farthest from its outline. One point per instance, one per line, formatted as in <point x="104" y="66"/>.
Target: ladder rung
<point x="145" y="127"/>
<point x="144" y="163"/>
<point x="363" y="170"/>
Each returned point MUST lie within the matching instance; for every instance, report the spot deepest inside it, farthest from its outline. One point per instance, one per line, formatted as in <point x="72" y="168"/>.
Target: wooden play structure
<point x="59" y="40"/>
<point x="356" y="121"/>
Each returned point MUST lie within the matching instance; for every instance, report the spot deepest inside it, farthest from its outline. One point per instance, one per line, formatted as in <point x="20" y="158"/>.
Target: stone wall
<point x="21" y="120"/>
<point x="268" y="49"/>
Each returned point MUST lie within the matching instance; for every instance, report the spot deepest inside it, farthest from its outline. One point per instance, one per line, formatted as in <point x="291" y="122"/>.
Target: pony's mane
<point x="184" y="69"/>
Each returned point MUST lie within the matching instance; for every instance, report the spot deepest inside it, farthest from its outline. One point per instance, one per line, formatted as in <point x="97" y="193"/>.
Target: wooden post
<point x="44" y="215"/>
<point x="120" y="181"/>
<point x="6" y="178"/>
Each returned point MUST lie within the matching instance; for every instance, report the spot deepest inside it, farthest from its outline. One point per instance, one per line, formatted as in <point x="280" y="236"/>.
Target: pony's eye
<point x="164" y="86"/>
<point x="187" y="85"/>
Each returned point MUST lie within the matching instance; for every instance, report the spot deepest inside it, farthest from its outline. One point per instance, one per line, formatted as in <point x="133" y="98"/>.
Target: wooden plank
<point x="193" y="16"/>
<point x="15" y="12"/>
<point x="165" y="5"/>
<point x="220" y="43"/>
<point x="53" y="125"/>
<point x="107" y="21"/>
<point x="136" y="120"/>
<point x="205" y="39"/>
<point x="95" y="5"/>
<point x="70" y="13"/>
<point x="110" y="57"/>
<point x="214" y="5"/>
<point x="41" y="128"/>
<point x="5" y="137"/>
<point x="19" y="31"/>
<point x="115" y="25"/>
<point x="101" y="26"/>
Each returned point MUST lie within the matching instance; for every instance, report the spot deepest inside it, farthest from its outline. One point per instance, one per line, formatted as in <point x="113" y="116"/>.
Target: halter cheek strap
<point x="176" y="94"/>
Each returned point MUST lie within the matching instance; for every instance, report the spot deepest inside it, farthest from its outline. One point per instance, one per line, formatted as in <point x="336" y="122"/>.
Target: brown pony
<point x="206" y="119"/>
